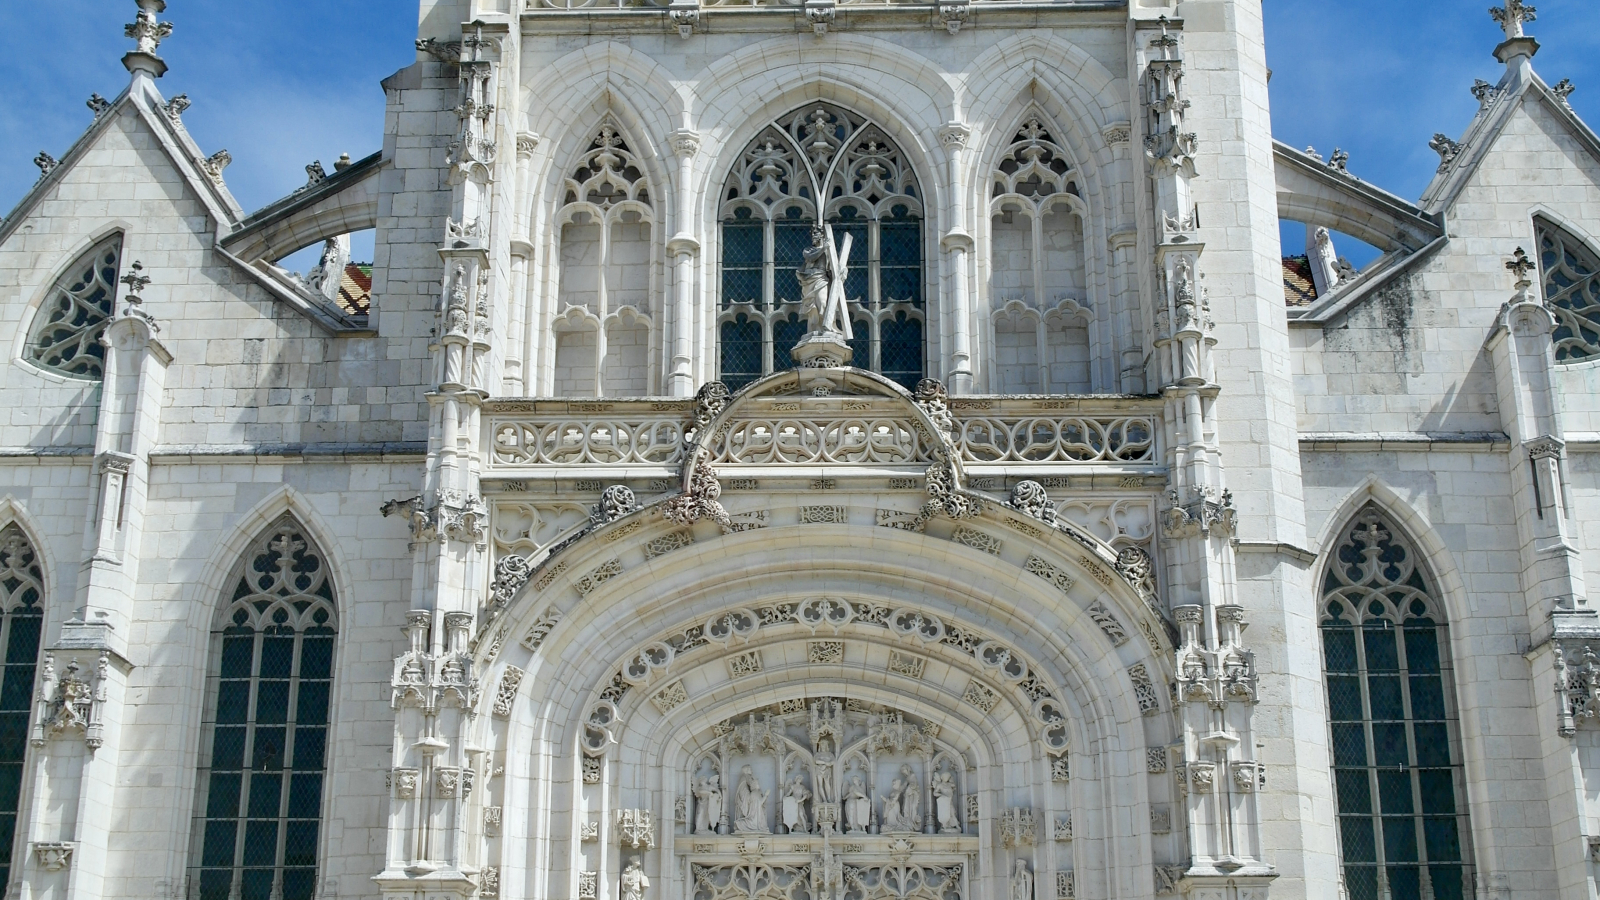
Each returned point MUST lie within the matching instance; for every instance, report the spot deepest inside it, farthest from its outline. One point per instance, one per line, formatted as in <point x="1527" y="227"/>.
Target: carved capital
<point x="685" y="141"/>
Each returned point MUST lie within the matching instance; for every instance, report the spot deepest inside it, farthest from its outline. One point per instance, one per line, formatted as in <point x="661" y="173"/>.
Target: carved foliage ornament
<point x="700" y="499"/>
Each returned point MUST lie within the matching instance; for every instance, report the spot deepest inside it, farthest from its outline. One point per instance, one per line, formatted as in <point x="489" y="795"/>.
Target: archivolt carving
<point x="652" y="662"/>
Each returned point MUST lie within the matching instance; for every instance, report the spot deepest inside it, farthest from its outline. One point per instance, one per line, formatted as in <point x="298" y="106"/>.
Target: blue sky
<point x="280" y="84"/>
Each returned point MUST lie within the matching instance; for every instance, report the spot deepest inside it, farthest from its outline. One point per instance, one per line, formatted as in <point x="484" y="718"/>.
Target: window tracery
<point x="1397" y="769"/>
<point x="66" y="332"/>
<point x="1040" y="329"/>
<point x="259" y="803"/>
<point x="21" y="615"/>
<point x="821" y="160"/>
<point x="1570" y="273"/>
<point x="608" y="272"/>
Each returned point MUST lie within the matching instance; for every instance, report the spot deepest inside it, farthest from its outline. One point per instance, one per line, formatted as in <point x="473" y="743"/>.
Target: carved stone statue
<point x="794" y="805"/>
<point x="750" y="805"/>
<point x="1021" y="881"/>
<point x="893" y="819"/>
<point x="822" y="777"/>
<point x="634" y="881"/>
<point x="822" y="272"/>
<point x="708" y="804"/>
<point x="857" y="806"/>
<point x="944" y="801"/>
<point x="910" y="800"/>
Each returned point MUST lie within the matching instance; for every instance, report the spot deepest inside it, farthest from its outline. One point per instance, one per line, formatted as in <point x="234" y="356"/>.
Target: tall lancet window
<point x="1039" y="319"/>
<point x="821" y="160"/>
<point x="22" y="602"/>
<point x="608" y="271"/>
<point x="1571" y="276"/>
<point x="65" y="337"/>
<point x="258" y="815"/>
<point x="1391" y="708"/>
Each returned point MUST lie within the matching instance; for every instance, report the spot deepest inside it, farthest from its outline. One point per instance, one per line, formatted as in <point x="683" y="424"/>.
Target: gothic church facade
<point x="1102" y="552"/>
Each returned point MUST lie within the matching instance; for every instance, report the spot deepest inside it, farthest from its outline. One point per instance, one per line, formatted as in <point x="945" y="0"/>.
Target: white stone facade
<point x="497" y="590"/>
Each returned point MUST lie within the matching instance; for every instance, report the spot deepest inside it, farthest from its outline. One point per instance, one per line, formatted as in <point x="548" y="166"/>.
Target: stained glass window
<point x="66" y="330"/>
<point x="769" y="207"/>
<point x="1397" y="770"/>
<point x="21" y="601"/>
<point x="258" y="813"/>
<point x="1571" y="276"/>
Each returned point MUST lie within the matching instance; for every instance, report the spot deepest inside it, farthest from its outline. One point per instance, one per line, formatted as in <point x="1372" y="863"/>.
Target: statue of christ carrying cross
<point x="822" y="274"/>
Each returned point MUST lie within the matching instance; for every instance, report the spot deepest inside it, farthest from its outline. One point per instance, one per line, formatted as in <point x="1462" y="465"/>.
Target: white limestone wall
<point x="1411" y="358"/>
<point x="203" y="513"/>
<point x="246" y="369"/>
<point x="1451" y="504"/>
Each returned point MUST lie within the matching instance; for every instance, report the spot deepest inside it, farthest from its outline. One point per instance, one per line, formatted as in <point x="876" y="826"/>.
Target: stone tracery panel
<point x="1041" y="330"/>
<point x="606" y="283"/>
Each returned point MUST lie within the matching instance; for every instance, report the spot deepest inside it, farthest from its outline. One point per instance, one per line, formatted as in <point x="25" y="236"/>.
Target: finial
<point x="1518" y="43"/>
<point x="1166" y="43"/>
<point x="147" y="33"/>
<point x="1512" y="15"/>
<point x="1520" y="265"/>
<point x="137" y="281"/>
<point x="133" y="304"/>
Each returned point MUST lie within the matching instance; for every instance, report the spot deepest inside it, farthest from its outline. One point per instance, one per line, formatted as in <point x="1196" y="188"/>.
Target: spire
<point x="148" y="33"/>
<point x="1511" y="15"/>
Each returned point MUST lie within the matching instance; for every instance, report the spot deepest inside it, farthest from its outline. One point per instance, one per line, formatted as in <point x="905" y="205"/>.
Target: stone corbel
<point x="954" y="13"/>
<point x="53" y="856"/>
<point x="685" y="15"/>
<point x="820" y="13"/>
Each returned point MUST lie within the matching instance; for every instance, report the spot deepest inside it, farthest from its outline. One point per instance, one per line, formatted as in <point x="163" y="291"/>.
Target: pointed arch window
<point x="609" y="266"/>
<point x="1397" y="774"/>
<point x="258" y="816"/>
<point x="1040" y="326"/>
<point x="65" y="336"/>
<point x="824" y="161"/>
<point x="22" y="602"/>
<point x="1570" y="273"/>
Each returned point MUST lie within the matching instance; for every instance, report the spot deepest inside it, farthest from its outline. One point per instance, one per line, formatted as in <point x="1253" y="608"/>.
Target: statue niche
<point x="826" y="766"/>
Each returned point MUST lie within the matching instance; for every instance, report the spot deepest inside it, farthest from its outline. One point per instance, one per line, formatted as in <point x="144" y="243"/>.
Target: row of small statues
<point x="901" y="806"/>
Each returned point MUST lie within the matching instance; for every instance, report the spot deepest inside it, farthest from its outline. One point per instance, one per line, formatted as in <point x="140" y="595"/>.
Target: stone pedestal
<point x="821" y="350"/>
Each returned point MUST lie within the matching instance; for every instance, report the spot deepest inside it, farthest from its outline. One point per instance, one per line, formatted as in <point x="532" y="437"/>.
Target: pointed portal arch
<point x="1570" y="274"/>
<point x="821" y="160"/>
<point x="1397" y="769"/>
<point x="258" y="814"/>
<point x="65" y="335"/>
